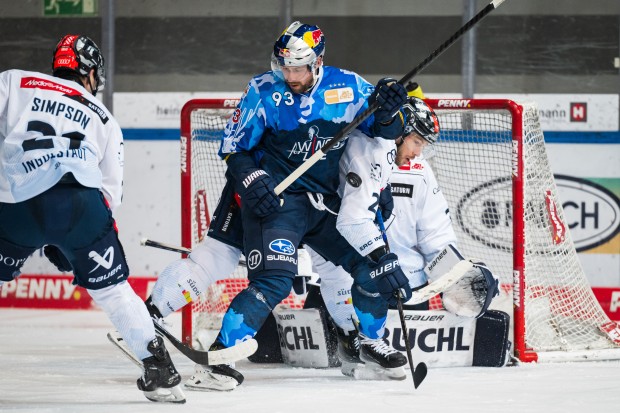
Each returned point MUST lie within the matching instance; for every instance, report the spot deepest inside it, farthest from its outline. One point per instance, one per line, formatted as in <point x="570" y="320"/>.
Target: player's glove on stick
<point x="56" y="257"/>
<point x="390" y="95"/>
<point x="254" y="185"/>
<point x="391" y="280"/>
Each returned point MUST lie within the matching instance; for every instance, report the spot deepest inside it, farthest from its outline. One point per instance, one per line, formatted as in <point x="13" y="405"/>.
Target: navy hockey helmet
<point x="421" y="119"/>
<point x="79" y="54"/>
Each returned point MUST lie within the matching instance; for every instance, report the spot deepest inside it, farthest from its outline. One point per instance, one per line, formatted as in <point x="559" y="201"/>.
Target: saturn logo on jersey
<point x="282" y="246"/>
<point x="313" y="144"/>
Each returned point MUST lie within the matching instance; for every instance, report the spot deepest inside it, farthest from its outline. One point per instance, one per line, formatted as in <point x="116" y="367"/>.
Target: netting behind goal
<point x="491" y="165"/>
<point x="202" y="180"/>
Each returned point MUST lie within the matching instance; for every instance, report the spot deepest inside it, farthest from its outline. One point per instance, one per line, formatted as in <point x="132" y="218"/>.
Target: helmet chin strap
<point x="93" y="89"/>
<point x="316" y="74"/>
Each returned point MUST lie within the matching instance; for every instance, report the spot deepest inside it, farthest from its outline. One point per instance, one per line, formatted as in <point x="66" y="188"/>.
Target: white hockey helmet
<point x="421" y="119"/>
<point x="299" y="45"/>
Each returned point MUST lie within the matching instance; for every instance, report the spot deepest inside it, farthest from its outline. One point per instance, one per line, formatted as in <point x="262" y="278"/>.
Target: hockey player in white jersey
<point x="61" y="172"/>
<point x="420" y="227"/>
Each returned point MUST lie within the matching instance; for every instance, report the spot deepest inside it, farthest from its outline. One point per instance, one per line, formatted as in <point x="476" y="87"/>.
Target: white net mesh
<point x="474" y="160"/>
<point x="207" y="176"/>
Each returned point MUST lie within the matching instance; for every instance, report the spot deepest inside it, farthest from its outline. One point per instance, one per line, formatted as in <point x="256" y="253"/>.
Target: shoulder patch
<point x="341" y="95"/>
<point x="354" y="179"/>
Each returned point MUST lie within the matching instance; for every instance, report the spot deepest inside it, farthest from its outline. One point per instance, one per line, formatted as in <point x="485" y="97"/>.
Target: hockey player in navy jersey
<point x="283" y="118"/>
<point x="61" y="173"/>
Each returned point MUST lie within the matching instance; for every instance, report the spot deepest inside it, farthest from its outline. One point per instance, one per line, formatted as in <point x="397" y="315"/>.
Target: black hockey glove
<point x="391" y="280"/>
<point x="254" y="185"/>
<point x="390" y="95"/>
<point x="257" y="192"/>
<point x="56" y="257"/>
<point x="386" y="203"/>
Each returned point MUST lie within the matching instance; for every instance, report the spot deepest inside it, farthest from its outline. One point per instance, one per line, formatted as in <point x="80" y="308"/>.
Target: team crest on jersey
<point x="313" y="144"/>
<point x="375" y="172"/>
<point x="341" y="95"/>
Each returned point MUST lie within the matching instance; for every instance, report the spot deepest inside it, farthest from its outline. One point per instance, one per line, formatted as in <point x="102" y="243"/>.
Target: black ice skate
<point x="349" y="352"/>
<point x="160" y="381"/>
<point x="381" y="360"/>
<point x="221" y="377"/>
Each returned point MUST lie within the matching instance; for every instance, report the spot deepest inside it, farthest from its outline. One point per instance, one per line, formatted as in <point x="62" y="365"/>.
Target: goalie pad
<point x="438" y="338"/>
<point x="472" y="294"/>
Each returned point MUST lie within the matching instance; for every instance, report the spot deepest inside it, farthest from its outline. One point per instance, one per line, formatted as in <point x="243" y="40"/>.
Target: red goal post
<point x="491" y="164"/>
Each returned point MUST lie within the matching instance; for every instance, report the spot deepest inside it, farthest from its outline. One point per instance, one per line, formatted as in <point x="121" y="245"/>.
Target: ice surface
<point x="61" y="361"/>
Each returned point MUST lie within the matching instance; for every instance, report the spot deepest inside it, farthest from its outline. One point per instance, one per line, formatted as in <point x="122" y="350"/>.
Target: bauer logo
<point x="201" y="211"/>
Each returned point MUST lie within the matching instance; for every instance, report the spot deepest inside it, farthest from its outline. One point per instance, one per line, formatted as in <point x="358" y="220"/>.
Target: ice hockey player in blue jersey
<point x="283" y="118"/>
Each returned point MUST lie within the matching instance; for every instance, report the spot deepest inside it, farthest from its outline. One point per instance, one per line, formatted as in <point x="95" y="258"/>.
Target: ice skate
<point x="349" y="352"/>
<point x="381" y="361"/>
<point x="160" y="380"/>
<point x="220" y="377"/>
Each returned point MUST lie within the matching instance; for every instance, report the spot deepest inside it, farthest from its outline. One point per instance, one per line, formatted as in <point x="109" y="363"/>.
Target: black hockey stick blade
<point x="419" y="374"/>
<point x="224" y="356"/>
<point x="345" y="131"/>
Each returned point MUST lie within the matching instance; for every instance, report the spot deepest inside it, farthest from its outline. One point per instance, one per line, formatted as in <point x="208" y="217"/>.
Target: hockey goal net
<point x="491" y="164"/>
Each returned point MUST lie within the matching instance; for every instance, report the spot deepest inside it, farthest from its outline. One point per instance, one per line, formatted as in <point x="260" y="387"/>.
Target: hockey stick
<point x="174" y="248"/>
<point x="156" y="244"/>
<point x="301" y="169"/>
<point x="418" y="373"/>
<point x="223" y="356"/>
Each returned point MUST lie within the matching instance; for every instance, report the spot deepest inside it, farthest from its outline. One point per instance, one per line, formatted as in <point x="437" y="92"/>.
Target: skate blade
<point x="116" y="339"/>
<point x="365" y="372"/>
<point x="211" y="382"/>
<point x="170" y="395"/>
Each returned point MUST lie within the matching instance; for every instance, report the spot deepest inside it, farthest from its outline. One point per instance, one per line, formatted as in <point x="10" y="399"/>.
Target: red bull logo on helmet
<point x="313" y="38"/>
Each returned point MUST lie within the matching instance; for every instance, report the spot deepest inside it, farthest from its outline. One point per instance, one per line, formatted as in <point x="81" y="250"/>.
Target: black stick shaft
<point x="401" y="313"/>
<point x="373" y="107"/>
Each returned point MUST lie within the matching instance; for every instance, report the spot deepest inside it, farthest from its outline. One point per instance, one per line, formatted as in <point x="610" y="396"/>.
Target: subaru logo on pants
<point x="282" y="246"/>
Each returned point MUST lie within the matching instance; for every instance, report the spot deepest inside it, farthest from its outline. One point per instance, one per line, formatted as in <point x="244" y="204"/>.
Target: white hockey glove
<point x="472" y="294"/>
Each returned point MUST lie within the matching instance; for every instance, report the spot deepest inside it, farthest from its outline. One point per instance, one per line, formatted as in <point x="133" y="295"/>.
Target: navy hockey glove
<point x="56" y="257"/>
<point x="386" y="203"/>
<point x="390" y="95"/>
<point x="253" y="184"/>
<point x="391" y="280"/>
<point x="257" y="193"/>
